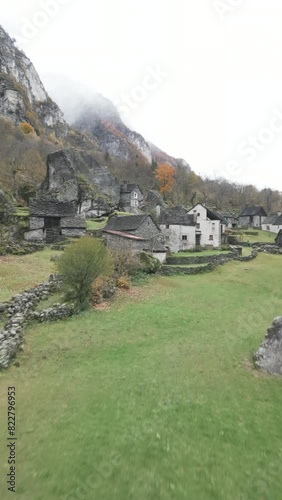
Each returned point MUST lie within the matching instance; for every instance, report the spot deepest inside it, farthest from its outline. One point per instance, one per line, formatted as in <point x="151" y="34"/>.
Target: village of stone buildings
<point x="145" y="223"/>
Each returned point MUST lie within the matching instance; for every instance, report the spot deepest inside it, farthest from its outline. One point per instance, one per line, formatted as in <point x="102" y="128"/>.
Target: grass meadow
<point x="154" y="397"/>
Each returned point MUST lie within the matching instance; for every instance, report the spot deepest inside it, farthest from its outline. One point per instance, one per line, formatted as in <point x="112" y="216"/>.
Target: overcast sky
<point x="202" y="79"/>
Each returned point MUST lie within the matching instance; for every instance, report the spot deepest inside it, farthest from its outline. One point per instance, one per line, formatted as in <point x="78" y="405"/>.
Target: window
<point x="198" y="226"/>
<point x="198" y="214"/>
<point x="184" y="237"/>
<point x="136" y="203"/>
<point x="213" y="226"/>
<point x="135" y="195"/>
<point x="211" y="237"/>
<point x="167" y="226"/>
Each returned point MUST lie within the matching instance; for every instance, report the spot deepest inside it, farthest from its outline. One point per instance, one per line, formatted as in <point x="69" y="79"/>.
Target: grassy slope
<point x="263" y="237"/>
<point x="154" y="399"/>
<point x="19" y="273"/>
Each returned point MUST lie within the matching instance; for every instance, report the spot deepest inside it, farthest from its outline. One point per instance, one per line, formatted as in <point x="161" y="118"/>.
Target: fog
<point x="200" y="79"/>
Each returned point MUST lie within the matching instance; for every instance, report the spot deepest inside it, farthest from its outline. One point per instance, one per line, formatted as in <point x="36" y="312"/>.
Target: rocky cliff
<point x="22" y="94"/>
<point x="94" y="136"/>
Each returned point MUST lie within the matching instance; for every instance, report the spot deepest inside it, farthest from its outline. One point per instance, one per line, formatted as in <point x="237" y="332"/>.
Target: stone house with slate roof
<point x="210" y="226"/>
<point x="51" y="219"/>
<point x="252" y="216"/>
<point x="178" y="228"/>
<point x="272" y="223"/>
<point x="131" y="196"/>
<point x="136" y="233"/>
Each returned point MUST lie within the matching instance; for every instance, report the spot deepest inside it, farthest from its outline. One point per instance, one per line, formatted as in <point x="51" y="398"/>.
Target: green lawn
<point x="93" y="225"/>
<point x="154" y="398"/>
<point x="17" y="273"/>
<point x="263" y="237"/>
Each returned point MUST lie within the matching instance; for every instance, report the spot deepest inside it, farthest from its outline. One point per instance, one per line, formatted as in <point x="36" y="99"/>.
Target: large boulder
<point x="269" y="356"/>
<point x="75" y="176"/>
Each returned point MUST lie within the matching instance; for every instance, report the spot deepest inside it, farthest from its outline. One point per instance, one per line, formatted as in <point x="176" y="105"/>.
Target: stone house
<point x="136" y="233"/>
<point x="179" y="229"/>
<point x="230" y="220"/>
<point x="252" y="216"/>
<point x="210" y="226"/>
<point x="51" y="219"/>
<point x="131" y="196"/>
<point x="272" y="223"/>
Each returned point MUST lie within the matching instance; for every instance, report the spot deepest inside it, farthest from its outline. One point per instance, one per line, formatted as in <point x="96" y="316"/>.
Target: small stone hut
<point x="52" y="219"/>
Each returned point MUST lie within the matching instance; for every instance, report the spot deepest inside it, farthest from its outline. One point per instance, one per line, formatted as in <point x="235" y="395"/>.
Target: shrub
<point x="81" y="263"/>
<point x="27" y="128"/>
<point x="103" y="288"/>
<point x="150" y="263"/>
<point x="126" y="262"/>
<point x="124" y="282"/>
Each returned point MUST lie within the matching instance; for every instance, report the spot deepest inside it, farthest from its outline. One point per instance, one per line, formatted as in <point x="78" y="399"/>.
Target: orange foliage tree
<point x="165" y="174"/>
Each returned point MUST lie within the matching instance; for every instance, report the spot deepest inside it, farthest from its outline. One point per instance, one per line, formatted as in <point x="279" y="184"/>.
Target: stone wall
<point x="201" y="259"/>
<point x="167" y="270"/>
<point x="20" y="248"/>
<point x="268" y="248"/>
<point x="20" y="309"/>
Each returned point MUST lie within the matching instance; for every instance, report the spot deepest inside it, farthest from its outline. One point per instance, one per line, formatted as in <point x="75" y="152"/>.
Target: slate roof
<point x="127" y="222"/>
<point x="278" y="221"/>
<point x="252" y="211"/>
<point x="270" y="219"/>
<point x="174" y="219"/>
<point x="158" y="247"/>
<point x="51" y="208"/>
<point x="128" y="188"/>
<point x="210" y="214"/>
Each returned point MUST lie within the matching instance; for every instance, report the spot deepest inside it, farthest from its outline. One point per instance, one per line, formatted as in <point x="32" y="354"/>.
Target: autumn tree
<point x="165" y="175"/>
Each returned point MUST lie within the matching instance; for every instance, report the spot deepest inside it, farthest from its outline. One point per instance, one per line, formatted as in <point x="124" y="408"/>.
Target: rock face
<point x="100" y="117"/>
<point x="269" y="356"/>
<point x="22" y="94"/>
<point x="76" y="176"/>
<point x="160" y="156"/>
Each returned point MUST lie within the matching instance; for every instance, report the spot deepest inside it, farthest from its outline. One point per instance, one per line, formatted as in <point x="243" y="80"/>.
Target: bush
<point x="81" y="263"/>
<point x="103" y="288"/>
<point x="126" y="262"/>
<point x="124" y="283"/>
<point x="27" y="128"/>
<point x="150" y="263"/>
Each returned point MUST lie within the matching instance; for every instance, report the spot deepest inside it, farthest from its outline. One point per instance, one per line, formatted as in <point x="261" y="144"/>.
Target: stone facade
<point x="252" y="216"/>
<point x="269" y="357"/>
<point x="51" y="219"/>
<point x="131" y="196"/>
<point x="136" y="233"/>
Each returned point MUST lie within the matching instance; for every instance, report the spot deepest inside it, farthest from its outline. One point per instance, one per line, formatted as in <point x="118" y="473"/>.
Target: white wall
<point x="161" y="256"/>
<point x="207" y="228"/>
<point x="270" y="227"/>
<point x="173" y="237"/>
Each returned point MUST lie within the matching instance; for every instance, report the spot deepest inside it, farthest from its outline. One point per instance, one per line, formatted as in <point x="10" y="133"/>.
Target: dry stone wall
<point x="21" y="309"/>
